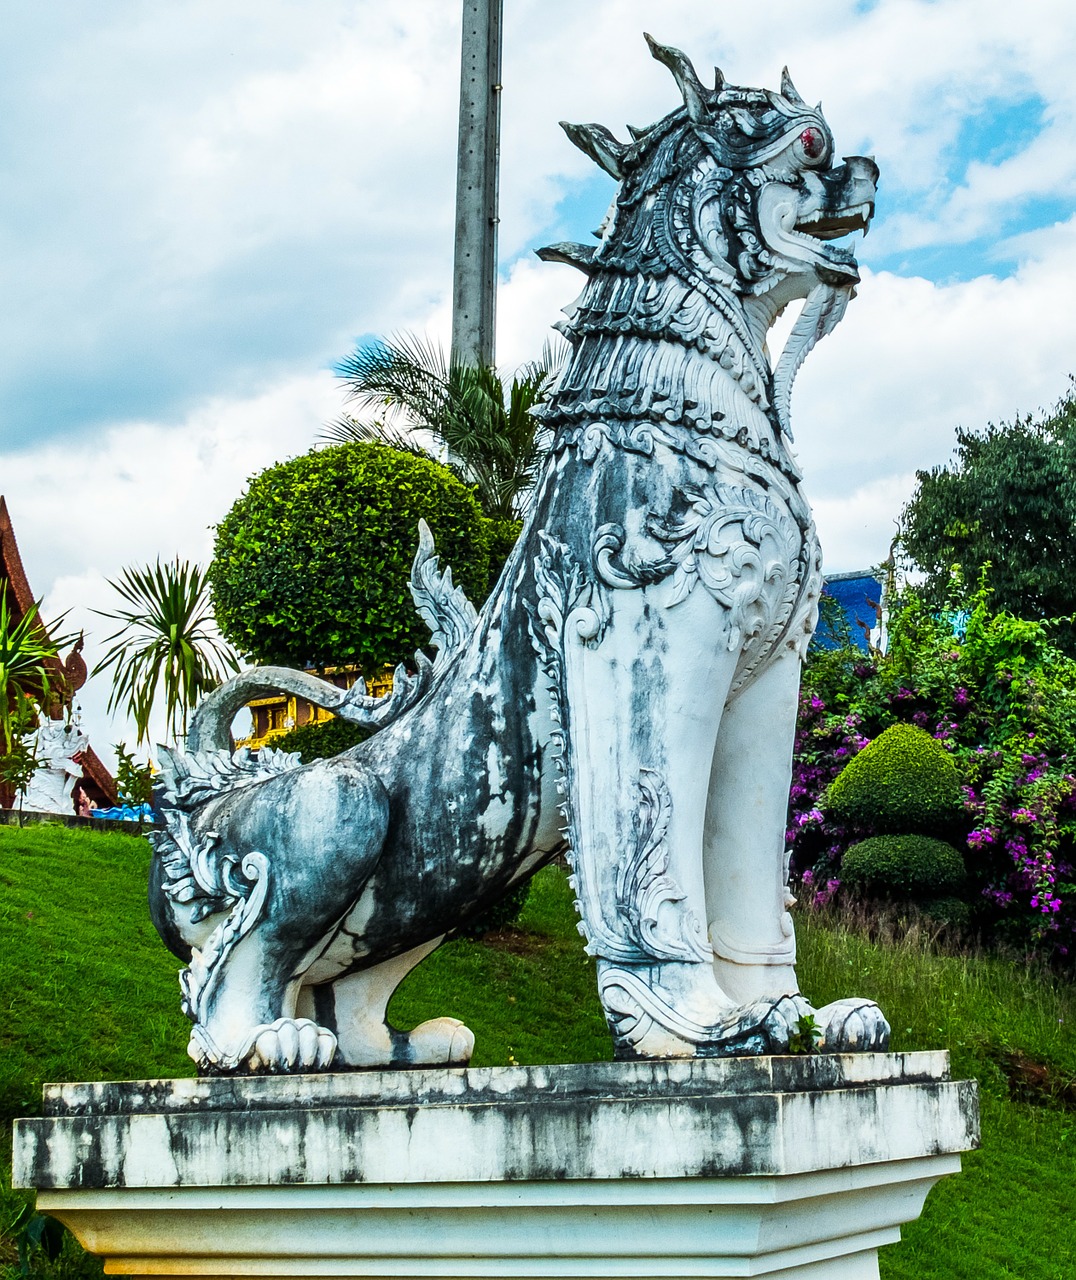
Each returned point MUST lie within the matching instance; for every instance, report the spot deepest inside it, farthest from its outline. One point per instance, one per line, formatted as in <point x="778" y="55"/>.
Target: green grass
<point x="1011" y="1215"/>
<point x="90" y="993"/>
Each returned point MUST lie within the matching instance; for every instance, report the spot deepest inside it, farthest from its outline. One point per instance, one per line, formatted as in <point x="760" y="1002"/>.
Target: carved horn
<point x="789" y="90"/>
<point x="684" y="74"/>
<point x="597" y="142"/>
<point x="719" y="79"/>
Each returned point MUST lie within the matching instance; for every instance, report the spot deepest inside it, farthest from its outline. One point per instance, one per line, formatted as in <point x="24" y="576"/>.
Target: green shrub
<point x="951" y="911"/>
<point x="311" y="566"/>
<point x="902" y="781"/>
<point x="321" y="741"/>
<point x="503" y="536"/>
<point x="903" y="867"/>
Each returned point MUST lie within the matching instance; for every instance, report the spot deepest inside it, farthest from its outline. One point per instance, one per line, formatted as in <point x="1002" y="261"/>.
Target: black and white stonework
<point x="628" y="693"/>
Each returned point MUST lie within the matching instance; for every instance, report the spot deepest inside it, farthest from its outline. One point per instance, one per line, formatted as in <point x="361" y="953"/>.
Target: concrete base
<point x="784" y="1167"/>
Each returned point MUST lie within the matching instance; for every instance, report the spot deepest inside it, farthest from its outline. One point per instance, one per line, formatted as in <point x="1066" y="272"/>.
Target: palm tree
<point x="26" y="652"/>
<point x="491" y="432"/>
<point x="167" y="647"/>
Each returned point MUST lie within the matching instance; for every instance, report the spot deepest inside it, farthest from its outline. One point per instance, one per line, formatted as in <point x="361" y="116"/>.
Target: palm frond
<point x="26" y="648"/>
<point x="349" y="430"/>
<point x="491" y="433"/>
<point x="167" y="645"/>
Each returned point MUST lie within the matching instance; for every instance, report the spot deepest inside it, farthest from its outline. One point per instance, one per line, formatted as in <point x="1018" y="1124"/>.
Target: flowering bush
<point x="1000" y="697"/>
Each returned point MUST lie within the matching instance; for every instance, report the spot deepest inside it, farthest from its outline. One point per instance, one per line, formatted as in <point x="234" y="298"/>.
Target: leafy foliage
<point x="25" y="650"/>
<point x="505" y="911"/>
<point x="903" y="781"/>
<point x="491" y="431"/>
<point x="18" y="767"/>
<point x="999" y="697"/>
<point x="503" y="536"/>
<point x="322" y="741"/>
<point x="311" y="566"/>
<point x="910" y="866"/>
<point x="166" y="646"/>
<point x="134" y="781"/>
<point x="1007" y="500"/>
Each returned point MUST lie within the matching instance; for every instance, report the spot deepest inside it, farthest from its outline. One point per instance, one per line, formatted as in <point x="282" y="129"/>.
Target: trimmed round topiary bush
<point x="914" y="866"/>
<point x="902" y="781"/>
<point x="311" y="566"/>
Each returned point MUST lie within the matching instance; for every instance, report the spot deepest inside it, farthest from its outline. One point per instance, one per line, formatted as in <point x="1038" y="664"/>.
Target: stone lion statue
<point x="627" y="694"/>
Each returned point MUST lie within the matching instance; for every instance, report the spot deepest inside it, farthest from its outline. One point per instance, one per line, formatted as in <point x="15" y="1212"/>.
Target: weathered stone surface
<point x="779" y="1166"/>
<point x="661" y="1120"/>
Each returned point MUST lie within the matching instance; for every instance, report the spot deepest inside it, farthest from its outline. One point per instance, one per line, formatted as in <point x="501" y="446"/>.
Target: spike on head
<point x="687" y="80"/>
<point x="789" y="90"/>
<point x="597" y="142"/>
<point x="719" y="79"/>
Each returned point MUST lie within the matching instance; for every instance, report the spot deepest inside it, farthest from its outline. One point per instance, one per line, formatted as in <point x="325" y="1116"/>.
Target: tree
<point x="491" y="431"/>
<point x="311" y="565"/>
<point x="1007" y="500"/>
<point x="167" y="647"/>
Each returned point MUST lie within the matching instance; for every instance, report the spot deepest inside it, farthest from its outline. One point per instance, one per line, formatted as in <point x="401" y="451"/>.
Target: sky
<point x="205" y="204"/>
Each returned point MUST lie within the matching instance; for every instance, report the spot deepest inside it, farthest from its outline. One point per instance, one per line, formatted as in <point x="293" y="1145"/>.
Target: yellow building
<point x="277" y="714"/>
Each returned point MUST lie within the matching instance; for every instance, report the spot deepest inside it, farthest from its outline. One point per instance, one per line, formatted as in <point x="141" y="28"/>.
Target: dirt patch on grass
<point x="518" y="942"/>
<point x="1037" y="1082"/>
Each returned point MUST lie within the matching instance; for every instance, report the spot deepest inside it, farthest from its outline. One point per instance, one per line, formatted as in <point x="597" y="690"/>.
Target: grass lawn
<point x="90" y="993"/>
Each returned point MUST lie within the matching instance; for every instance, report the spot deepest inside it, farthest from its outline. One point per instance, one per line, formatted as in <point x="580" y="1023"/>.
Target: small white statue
<point x="57" y="747"/>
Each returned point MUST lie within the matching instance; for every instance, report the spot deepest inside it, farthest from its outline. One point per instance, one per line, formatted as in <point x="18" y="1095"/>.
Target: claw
<point x="288" y="1043"/>
<point x="853" y="1026"/>
<point x="308" y="1044"/>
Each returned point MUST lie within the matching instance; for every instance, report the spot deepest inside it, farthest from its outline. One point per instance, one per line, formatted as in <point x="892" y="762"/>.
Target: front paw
<point x="290" y="1044"/>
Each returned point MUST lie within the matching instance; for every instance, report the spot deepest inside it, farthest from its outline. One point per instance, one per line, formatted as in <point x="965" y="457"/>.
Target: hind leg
<point x="354" y="1008"/>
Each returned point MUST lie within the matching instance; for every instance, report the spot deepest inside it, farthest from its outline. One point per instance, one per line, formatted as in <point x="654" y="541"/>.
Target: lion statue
<point x="627" y="695"/>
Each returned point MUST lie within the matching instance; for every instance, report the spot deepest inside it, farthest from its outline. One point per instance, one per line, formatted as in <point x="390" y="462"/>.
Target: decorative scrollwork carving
<point x="648" y="898"/>
<point x="740" y="545"/>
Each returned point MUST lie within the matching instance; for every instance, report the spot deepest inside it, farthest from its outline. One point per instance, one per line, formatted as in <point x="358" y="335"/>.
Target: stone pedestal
<point x="784" y="1167"/>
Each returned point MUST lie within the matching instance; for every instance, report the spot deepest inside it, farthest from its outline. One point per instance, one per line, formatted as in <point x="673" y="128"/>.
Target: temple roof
<point x="11" y="569"/>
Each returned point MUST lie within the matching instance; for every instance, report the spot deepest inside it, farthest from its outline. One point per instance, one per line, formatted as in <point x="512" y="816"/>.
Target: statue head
<point x="738" y="193"/>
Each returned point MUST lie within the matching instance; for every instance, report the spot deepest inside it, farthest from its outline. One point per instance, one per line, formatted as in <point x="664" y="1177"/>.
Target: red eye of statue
<point x="813" y="143"/>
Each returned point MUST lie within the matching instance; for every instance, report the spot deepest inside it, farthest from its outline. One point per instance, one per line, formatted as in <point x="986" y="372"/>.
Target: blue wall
<point x="859" y="597"/>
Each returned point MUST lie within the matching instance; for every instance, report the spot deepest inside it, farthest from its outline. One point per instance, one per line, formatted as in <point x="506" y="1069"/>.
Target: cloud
<point x="83" y="511"/>
<point x="212" y="197"/>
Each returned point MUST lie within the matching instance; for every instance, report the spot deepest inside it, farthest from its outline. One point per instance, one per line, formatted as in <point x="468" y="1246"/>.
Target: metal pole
<point x="474" y="291"/>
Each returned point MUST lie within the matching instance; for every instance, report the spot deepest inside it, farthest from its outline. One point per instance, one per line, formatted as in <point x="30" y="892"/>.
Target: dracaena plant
<point x="26" y="649"/>
<point x="167" y="648"/>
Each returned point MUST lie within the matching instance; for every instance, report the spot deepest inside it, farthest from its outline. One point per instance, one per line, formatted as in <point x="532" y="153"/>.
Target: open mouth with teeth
<point x="844" y="204"/>
<point x="826" y="224"/>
